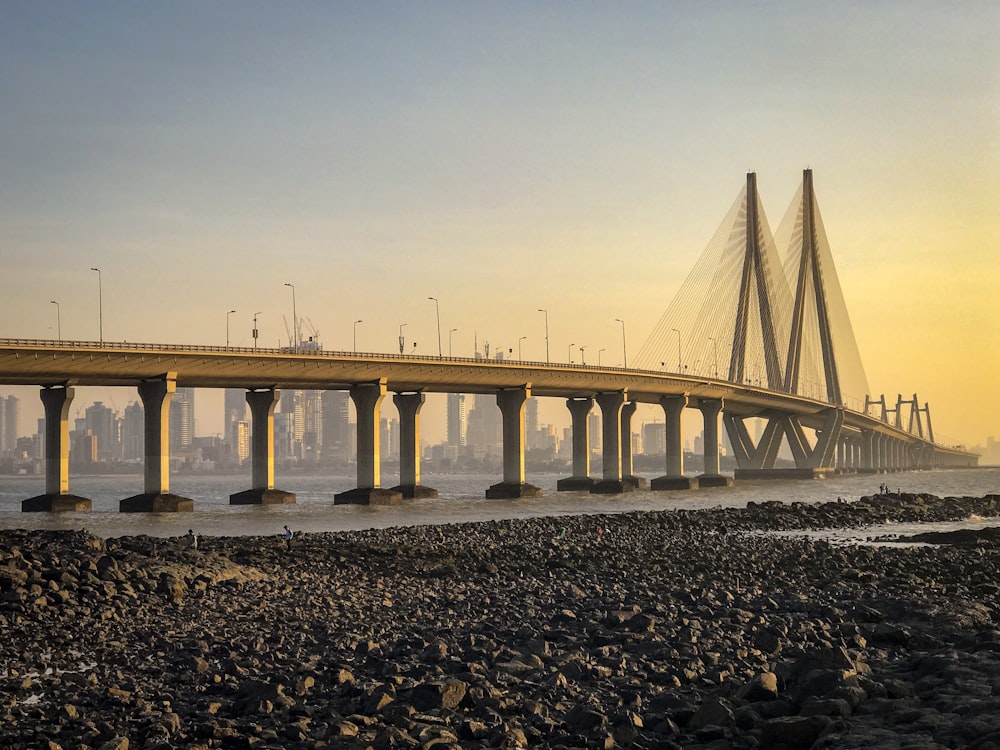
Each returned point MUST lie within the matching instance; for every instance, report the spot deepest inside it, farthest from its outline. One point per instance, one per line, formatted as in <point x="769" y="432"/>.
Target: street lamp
<point x="100" y="304"/>
<point x="624" y="350"/>
<point x="583" y="359"/>
<point x="402" y="341"/>
<point x="569" y="354"/>
<point x="449" y="340"/>
<point x="546" y="333"/>
<point x="58" y="321"/>
<point x="437" y="311"/>
<point x="599" y="357"/>
<point x="678" y="332"/>
<point x="520" y="359"/>
<point x="255" y="327"/>
<point x="227" y="326"/>
<point x="356" y="335"/>
<point x="295" y="320"/>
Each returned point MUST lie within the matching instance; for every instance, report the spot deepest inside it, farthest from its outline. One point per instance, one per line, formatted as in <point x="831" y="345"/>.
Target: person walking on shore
<point x="192" y="539"/>
<point x="288" y="538"/>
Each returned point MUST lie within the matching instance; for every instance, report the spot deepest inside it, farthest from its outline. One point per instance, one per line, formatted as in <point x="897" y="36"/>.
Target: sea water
<point x="461" y="499"/>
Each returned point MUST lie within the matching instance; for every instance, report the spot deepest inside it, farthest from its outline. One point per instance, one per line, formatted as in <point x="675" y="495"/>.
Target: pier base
<point x="612" y="487"/>
<point x="512" y="491"/>
<point x="415" y="491"/>
<point x="674" y="483"/>
<point x="54" y="503"/>
<point x="262" y="497"/>
<point x="715" y="480"/>
<point x="368" y="496"/>
<point x="156" y="502"/>
<point x="568" y="484"/>
<point x="639" y="483"/>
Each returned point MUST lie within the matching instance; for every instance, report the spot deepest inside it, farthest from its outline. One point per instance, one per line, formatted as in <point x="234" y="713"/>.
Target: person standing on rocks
<point x="288" y="537"/>
<point x="192" y="539"/>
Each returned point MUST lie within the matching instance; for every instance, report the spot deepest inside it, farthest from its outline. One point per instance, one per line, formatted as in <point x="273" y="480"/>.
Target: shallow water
<point x="461" y="499"/>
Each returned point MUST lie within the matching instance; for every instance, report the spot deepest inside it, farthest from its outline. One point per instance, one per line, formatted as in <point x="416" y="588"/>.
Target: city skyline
<point x="374" y="170"/>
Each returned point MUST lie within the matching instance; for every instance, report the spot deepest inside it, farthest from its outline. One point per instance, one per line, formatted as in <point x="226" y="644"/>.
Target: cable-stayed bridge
<point x="760" y="341"/>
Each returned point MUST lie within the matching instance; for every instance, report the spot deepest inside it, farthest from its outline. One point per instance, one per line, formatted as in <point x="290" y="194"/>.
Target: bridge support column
<point x="579" y="410"/>
<point x="511" y="402"/>
<point x="883" y="453"/>
<point x="367" y="398"/>
<point x="628" y="410"/>
<point x="710" y="410"/>
<point x="157" y="497"/>
<point x="674" y="479"/>
<point x="57" y="497"/>
<point x="868" y="447"/>
<point x="408" y="405"/>
<point x="841" y="464"/>
<point x="262" y="491"/>
<point x="611" y="433"/>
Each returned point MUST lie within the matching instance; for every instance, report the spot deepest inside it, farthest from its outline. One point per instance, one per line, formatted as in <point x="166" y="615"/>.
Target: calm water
<point x="462" y="499"/>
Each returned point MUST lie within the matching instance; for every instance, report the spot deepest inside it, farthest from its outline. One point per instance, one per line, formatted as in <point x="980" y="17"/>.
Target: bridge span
<point x="845" y="439"/>
<point x="793" y="363"/>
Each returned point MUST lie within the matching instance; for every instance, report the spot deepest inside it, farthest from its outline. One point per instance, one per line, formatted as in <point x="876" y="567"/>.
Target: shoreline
<point x="653" y="629"/>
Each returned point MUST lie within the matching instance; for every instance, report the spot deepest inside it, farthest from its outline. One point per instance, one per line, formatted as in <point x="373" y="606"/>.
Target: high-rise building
<point x="182" y="419"/>
<point x="531" y="423"/>
<point x="8" y="425"/>
<point x="102" y="422"/>
<point x="235" y="401"/>
<point x="594" y="423"/>
<point x="457" y="420"/>
<point x="654" y="438"/>
<point x="485" y="427"/>
<point x="337" y="433"/>
<point x="133" y="433"/>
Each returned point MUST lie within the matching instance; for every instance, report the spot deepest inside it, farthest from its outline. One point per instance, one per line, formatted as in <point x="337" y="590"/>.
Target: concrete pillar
<point x="868" y="452"/>
<point x="579" y="409"/>
<point x="611" y="433"/>
<point x="841" y="454"/>
<point x="511" y="403"/>
<point x="710" y="410"/>
<point x="882" y="456"/>
<point x="157" y="497"/>
<point x="367" y="398"/>
<point x="56" y="402"/>
<point x="674" y="479"/>
<point x="262" y="491"/>
<point x="628" y="473"/>
<point x="408" y="405"/>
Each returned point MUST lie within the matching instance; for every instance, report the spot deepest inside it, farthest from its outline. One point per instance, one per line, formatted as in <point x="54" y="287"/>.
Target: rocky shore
<point x="696" y="629"/>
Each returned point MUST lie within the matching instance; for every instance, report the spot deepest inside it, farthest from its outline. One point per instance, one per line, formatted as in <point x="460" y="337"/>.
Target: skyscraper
<point x="235" y="413"/>
<point x="337" y="435"/>
<point x="457" y="420"/>
<point x="182" y="419"/>
<point x="133" y="433"/>
<point x="531" y="423"/>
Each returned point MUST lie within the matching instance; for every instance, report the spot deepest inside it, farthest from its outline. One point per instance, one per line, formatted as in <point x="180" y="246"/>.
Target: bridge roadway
<point x="845" y="439"/>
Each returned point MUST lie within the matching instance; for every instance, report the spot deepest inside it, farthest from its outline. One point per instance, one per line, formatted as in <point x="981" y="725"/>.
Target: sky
<point x="500" y="157"/>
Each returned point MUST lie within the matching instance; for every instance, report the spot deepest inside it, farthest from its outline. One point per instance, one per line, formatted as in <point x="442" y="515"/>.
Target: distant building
<point x="8" y="426"/>
<point x="338" y="437"/>
<point x="102" y="423"/>
<point x="654" y="439"/>
<point x="182" y="419"/>
<point x="458" y="423"/>
<point x="133" y="433"/>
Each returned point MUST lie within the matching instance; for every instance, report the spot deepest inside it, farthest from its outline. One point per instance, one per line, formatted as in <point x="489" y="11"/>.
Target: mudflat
<point x="686" y="629"/>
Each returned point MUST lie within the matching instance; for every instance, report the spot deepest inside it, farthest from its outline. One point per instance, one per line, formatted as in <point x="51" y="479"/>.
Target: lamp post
<point x="58" y="321"/>
<point x="583" y="359"/>
<point x="227" y="326"/>
<point x="678" y="332"/>
<point x="599" y="357"/>
<point x="295" y="320"/>
<point x="520" y="359"/>
<point x="437" y="312"/>
<point x="402" y="341"/>
<point x="255" y="327"/>
<point x="356" y="335"/>
<point x="624" y="350"/>
<point x="100" y="304"/>
<point x="449" y="340"/>
<point x="569" y="354"/>
<point x="546" y="333"/>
